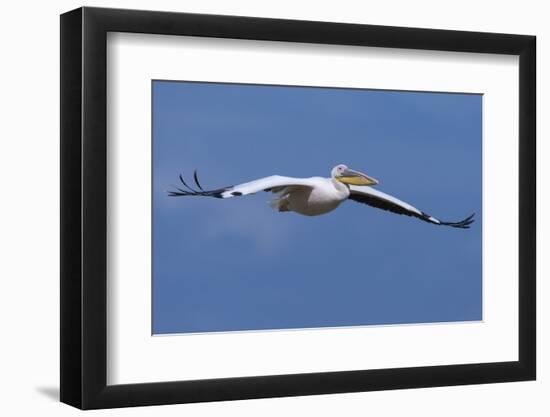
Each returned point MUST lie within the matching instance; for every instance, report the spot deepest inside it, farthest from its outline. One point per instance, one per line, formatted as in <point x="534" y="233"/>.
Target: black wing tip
<point x="195" y="177"/>
<point x="192" y="192"/>
<point x="463" y="224"/>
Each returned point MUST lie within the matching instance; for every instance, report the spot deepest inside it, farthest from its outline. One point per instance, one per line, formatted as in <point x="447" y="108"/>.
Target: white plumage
<point x="317" y="195"/>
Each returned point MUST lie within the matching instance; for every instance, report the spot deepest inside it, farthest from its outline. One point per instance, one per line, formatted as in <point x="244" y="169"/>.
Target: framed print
<point x="257" y="208"/>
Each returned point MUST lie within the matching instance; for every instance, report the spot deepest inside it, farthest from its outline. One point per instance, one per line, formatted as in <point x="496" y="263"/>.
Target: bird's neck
<point x="340" y="187"/>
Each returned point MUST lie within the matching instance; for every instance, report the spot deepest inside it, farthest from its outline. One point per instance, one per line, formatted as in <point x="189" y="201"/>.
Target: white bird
<point x="317" y="195"/>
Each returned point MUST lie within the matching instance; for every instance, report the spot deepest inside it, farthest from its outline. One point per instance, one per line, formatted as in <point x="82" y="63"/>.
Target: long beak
<point x="350" y="176"/>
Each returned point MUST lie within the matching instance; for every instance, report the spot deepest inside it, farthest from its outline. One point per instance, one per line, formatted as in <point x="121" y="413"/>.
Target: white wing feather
<point x="265" y="184"/>
<point x="274" y="182"/>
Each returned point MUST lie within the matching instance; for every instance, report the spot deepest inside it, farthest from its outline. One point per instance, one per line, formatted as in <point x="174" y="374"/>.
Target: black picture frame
<point x="84" y="207"/>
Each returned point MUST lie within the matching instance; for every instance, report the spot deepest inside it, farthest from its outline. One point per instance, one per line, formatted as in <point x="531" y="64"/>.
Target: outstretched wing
<point x="378" y="199"/>
<point x="272" y="183"/>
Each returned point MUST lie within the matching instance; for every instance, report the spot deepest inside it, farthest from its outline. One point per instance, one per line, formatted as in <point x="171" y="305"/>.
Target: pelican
<point x="317" y="195"/>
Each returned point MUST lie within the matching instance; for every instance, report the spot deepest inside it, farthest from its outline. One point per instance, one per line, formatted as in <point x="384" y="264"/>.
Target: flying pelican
<point x="317" y="195"/>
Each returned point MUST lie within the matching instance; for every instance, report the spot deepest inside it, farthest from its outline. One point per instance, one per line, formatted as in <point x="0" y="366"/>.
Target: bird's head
<point x="349" y="176"/>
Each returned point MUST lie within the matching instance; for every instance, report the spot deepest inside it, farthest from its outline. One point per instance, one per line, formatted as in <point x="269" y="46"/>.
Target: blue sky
<point x="236" y="264"/>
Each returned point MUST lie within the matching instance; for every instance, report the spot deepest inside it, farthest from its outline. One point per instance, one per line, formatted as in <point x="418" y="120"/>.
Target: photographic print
<point x="289" y="207"/>
<point x="317" y="193"/>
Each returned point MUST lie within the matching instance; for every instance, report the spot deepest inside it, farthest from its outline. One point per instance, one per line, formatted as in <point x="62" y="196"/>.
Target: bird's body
<point x="315" y="196"/>
<point x="324" y="196"/>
